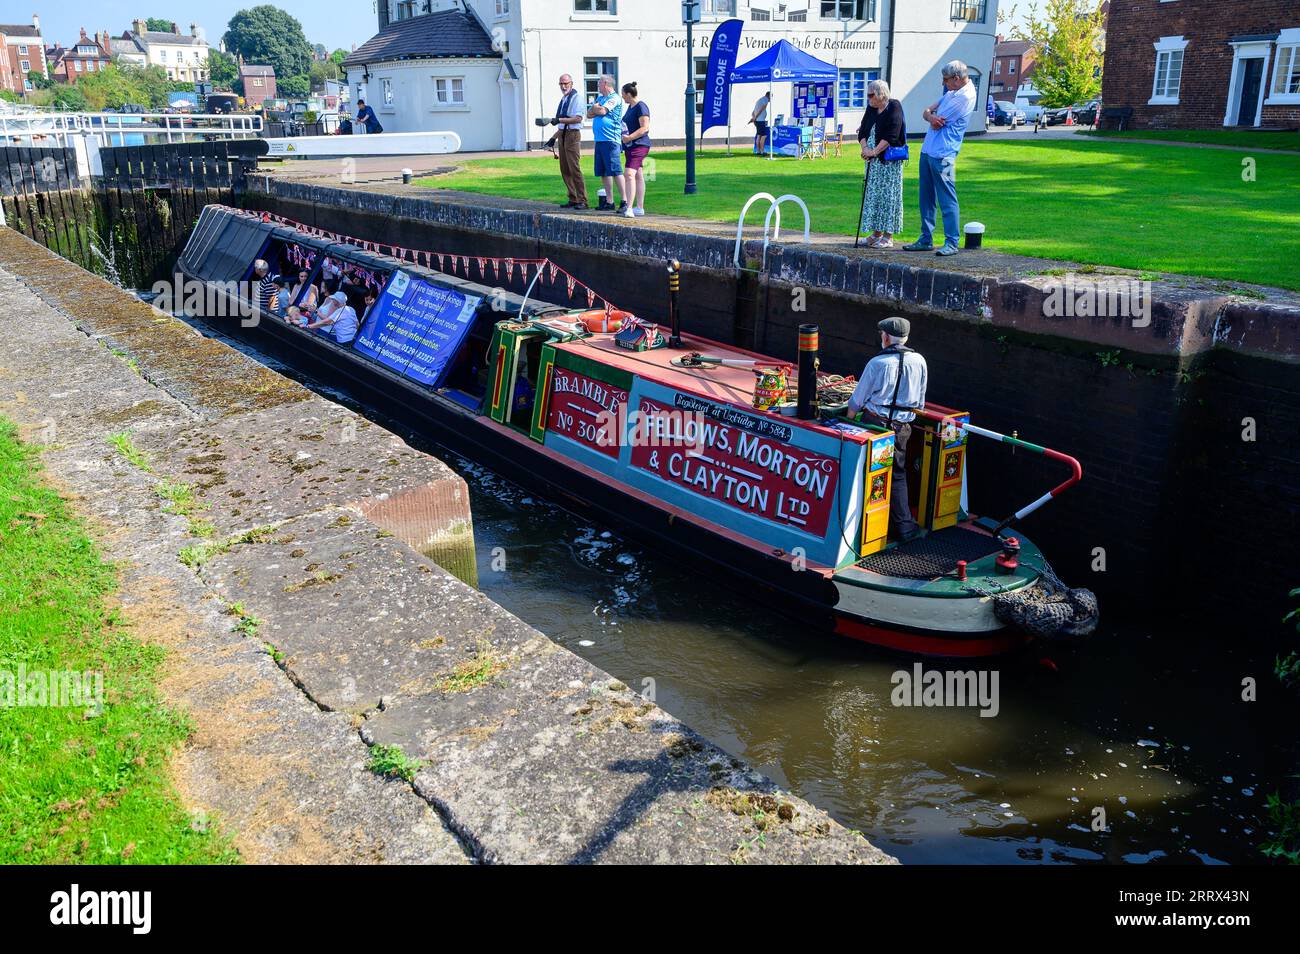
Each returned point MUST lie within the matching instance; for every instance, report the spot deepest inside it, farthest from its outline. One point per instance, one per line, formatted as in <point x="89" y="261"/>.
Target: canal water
<point x="1147" y="726"/>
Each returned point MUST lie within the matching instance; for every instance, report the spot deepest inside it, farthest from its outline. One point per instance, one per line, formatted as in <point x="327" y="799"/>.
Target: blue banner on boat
<point x="717" y="86"/>
<point x="416" y="327"/>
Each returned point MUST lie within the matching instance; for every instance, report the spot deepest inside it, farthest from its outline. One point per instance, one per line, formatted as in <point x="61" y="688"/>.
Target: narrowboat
<point x="697" y="448"/>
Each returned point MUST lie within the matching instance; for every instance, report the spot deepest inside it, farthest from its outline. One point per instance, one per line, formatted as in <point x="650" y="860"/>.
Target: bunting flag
<point x="571" y="282"/>
<point x="492" y="267"/>
<point x="554" y="268"/>
<point x="591" y="297"/>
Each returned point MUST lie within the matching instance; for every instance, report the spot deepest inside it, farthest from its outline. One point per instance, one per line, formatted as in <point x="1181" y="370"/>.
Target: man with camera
<point x="566" y="144"/>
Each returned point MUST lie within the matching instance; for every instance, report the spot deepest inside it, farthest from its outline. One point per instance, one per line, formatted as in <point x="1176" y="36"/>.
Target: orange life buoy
<point x="603" y="322"/>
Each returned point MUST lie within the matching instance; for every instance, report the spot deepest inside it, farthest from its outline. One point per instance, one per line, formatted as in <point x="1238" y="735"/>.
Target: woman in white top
<point x="308" y="300"/>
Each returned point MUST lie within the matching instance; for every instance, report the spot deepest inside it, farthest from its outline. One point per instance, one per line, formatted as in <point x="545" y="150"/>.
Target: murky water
<point x="1146" y="726"/>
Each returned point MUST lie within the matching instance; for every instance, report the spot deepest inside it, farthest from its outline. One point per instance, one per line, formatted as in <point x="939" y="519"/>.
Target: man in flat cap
<point x="889" y="393"/>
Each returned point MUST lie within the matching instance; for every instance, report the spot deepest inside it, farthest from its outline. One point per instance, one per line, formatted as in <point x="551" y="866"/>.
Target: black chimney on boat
<point x="674" y="314"/>
<point x="808" y="364"/>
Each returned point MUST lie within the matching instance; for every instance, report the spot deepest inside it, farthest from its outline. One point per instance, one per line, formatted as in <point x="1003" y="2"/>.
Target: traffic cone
<point x="1069" y="117"/>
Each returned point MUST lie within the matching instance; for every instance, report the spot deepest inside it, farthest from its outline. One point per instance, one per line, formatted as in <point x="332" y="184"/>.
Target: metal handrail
<point x="107" y="127"/>
<point x="740" y="225"/>
<point x="776" y="207"/>
<point x="1076" y="469"/>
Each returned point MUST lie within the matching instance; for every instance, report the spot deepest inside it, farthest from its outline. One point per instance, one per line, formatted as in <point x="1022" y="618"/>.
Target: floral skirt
<point x="882" y="207"/>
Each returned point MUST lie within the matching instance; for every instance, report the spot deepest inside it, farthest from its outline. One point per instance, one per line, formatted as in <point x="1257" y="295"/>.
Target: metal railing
<point x="126" y="129"/>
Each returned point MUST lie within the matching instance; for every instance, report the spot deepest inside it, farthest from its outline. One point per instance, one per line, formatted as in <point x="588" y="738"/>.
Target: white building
<point x="487" y="68"/>
<point x="185" y="58"/>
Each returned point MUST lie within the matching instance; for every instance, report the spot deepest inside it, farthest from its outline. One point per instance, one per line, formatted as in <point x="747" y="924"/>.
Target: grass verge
<point x="84" y="783"/>
<point x="1160" y="208"/>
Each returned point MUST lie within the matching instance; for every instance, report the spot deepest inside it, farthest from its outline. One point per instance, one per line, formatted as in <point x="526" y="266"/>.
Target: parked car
<point x="1006" y="114"/>
<point x="1085" y="114"/>
<point x="1032" y="111"/>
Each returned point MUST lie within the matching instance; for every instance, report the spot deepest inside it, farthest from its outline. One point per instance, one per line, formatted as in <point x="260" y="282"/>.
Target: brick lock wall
<point x="1207" y="25"/>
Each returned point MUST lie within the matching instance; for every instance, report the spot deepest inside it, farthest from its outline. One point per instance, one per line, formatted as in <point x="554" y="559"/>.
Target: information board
<point x="739" y="460"/>
<point x="416" y="327"/>
<point x="813" y="101"/>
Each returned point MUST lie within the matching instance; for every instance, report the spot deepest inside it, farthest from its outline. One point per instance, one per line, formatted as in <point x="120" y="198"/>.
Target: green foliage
<point x="338" y="56"/>
<point x="1068" y="38"/>
<point x="293" y="87"/>
<point x="69" y="97"/>
<point x="322" y="70"/>
<point x="268" y="35"/>
<point x="121" y="83"/>
<point x="39" y="80"/>
<point x="10" y="97"/>
<point x="126" y="447"/>
<point x="1284" y="820"/>
<point x="158" y="25"/>
<point x="222" y="69"/>
<point x="81" y="784"/>
<point x="391" y="762"/>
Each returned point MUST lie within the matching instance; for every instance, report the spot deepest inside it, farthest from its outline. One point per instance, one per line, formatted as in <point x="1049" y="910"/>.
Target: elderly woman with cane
<point x="883" y="136"/>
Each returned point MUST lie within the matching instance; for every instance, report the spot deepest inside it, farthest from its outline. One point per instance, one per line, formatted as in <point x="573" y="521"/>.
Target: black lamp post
<point x="690" y="16"/>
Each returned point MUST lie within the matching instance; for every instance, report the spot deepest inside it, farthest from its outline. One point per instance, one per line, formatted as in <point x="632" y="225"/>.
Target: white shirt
<point x="760" y="109"/>
<point x="875" y="390"/>
<point x="955" y="107"/>
<point x="345" y="324"/>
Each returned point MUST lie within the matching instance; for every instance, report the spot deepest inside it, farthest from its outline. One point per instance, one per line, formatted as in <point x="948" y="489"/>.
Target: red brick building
<point x="1012" y="61"/>
<point x="1201" y="64"/>
<point x="22" y="51"/>
<point x="90" y="54"/>
<point x="259" y="83"/>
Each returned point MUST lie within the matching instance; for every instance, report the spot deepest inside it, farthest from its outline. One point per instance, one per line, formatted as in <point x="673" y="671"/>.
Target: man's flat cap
<point x="897" y="327"/>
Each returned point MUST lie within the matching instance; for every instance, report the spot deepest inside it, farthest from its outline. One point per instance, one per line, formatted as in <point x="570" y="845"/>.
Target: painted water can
<point x="772" y="386"/>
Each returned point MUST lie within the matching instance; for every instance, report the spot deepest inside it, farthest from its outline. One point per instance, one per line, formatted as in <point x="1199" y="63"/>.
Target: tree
<point x="222" y="69"/>
<point x="322" y="70"/>
<point x="267" y="35"/>
<point x="1068" y="50"/>
<point x="338" y="56"/>
<point x="293" y="87"/>
<point x="69" y="97"/>
<point x="9" y="97"/>
<point x="158" y="25"/>
<point x="39" y="80"/>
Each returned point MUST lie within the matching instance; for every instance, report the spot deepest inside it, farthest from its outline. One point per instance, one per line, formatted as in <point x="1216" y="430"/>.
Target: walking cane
<point x="866" y="174"/>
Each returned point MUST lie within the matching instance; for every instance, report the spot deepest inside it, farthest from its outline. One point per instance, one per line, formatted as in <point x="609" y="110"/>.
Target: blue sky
<point x="336" y="23"/>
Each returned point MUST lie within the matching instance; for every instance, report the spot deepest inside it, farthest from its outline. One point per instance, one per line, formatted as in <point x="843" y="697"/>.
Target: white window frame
<point x="386" y="98"/>
<point x="838" y="15"/>
<point x="25" y="66"/>
<point x="22" y="50"/>
<point x="759" y="16"/>
<point x="847" y="73"/>
<point x="1288" y="53"/>
<point x="450" y="104"/>
<point x="1167" y="46"/>
<point x="718" y="8"/>
<point x="591" y="13"/>
<point x="592" y="80"/>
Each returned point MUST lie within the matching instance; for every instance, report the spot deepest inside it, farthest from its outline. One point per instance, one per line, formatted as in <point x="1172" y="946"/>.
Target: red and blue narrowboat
<point x="700" y="449"/>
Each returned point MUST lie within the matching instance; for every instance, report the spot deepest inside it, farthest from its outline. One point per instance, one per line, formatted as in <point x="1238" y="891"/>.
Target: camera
<point x="544" y="122"/>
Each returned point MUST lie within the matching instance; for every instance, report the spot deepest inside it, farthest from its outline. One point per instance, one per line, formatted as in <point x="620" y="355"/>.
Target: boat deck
<point x="934" y="554"/>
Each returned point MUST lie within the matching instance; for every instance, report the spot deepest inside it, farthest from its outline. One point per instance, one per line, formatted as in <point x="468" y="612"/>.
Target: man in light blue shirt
<point x="947" y="118"/>
<point x="606" y="115"/>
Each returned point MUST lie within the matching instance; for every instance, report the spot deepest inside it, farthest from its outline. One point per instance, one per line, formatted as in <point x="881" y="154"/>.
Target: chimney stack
<point x="138" y="26"/>
<point x="175" y="29"/>
<point x="36" y="22"/>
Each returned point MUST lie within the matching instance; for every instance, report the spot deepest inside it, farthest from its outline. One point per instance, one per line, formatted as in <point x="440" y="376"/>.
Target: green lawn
<point x="1129" y="205"/>
<point x="1244" y="138"/>
<point x="76" y="786"/>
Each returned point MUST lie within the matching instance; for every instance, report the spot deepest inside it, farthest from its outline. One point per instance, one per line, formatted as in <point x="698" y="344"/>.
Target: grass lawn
<point x="1130" y="205"/>
<point x="76" y="787"/>
<point x="1245" y="138"/>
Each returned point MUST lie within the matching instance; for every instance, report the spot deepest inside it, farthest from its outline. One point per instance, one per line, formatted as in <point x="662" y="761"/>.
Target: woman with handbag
<point x="883" y="137"/>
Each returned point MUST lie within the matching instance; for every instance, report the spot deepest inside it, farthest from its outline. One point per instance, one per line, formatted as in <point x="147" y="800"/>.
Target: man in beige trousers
<point x="567" y="144"/>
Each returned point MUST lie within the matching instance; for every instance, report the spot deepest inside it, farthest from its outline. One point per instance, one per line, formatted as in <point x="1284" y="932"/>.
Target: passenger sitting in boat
<point x="280" y="297"/>
<point x="337" y="315"/>
<point x="304" y="293"/>
<point x="265" y="285"/>
<point x="293" y="315"/>
<point x="890" y="392"/>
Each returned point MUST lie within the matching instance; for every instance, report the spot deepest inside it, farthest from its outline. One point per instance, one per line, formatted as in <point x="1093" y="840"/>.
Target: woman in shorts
<point x="636" y="143"/>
